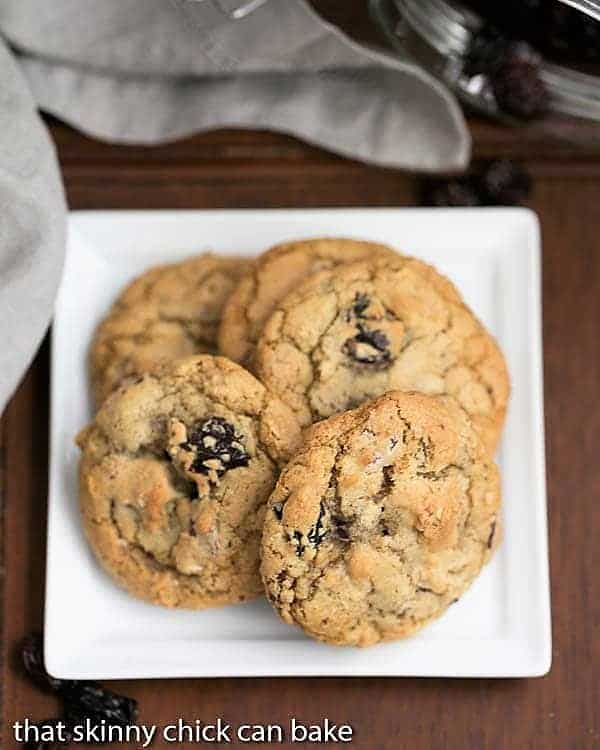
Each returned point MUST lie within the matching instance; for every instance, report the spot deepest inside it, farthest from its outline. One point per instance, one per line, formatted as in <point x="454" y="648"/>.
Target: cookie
<point x="274" y="275"/>
<point x="381" y="521"/>
<point x="175" y="472"/>
<point x="169" y="312"/>
<point x="361" y="329"/>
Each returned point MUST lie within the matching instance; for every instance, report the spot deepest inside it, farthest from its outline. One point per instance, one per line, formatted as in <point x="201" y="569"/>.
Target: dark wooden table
<point x="248" y="169"/>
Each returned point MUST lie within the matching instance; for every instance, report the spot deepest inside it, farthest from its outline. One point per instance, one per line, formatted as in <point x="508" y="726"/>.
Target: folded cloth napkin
<point x="32" y="226"/>
<point x="147" y="71"/>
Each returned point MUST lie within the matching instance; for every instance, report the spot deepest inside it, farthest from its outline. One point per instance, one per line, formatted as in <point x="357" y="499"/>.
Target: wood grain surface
<point x="249" y="169"/>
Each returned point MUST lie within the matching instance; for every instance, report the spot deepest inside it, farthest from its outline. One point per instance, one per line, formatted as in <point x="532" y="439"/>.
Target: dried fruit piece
<point x="369" y="347"/>
<point x="460" y="191"/>
<point x="81" y="700"/>
<point x="496" y="183"/>
<point x="505" y="183"/>
<point x="518" y="88"/>
<point x="361" y="303"/>
<point x="217" y="447"/>
<point x="32" y="653"/>
<point x="513" y="71"/>
<point x="89" y="700"/>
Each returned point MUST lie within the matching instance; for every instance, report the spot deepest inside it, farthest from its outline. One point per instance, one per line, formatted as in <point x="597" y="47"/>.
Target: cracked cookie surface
<point x="274" y="275"/>
<point x="361" y="329"/>
<point x="381" y="521"/>
<point x="175" y="472"/>
<point x="169" y="312"/>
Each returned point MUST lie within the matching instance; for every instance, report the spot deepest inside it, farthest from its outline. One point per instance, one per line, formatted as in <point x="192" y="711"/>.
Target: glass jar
<point x="438" y="34"/>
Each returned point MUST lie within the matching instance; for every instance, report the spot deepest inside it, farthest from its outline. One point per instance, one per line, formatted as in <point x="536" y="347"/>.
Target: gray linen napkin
<point x="147" y="71"/>
<point x="32" y="226"/>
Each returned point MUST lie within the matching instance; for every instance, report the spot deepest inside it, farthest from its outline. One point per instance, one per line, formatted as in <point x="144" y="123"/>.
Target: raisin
<point x="361" y="303"/>
<point x="513" y="70"/>
<point x="66" y="736"/>
<point x="369" y="347"/>
<point x="505" y="183"/>
<point x="317" y="533"/>
<point x="81" y="699"/>
<point x="490" y="540"/>
<point x="278" y="510"/>
<point x="519" y="90"/>
<point x="217" y="445"/>
<point x="33" y="660"/>
<point x="89" y="700"/>
<point x="497" y="183"/>
<point x="453" y="193"/>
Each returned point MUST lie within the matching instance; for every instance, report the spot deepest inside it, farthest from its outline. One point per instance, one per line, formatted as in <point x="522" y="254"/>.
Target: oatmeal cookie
<point x="175" y="472"/>
<point x="361" y="329"/>
<point x="381" y="521"/>
<point x="276" y="273"/>
<point x="169" y="312"/>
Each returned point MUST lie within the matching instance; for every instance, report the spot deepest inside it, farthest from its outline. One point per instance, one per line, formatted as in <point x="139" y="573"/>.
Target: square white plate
<point x="500" y="628"/>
